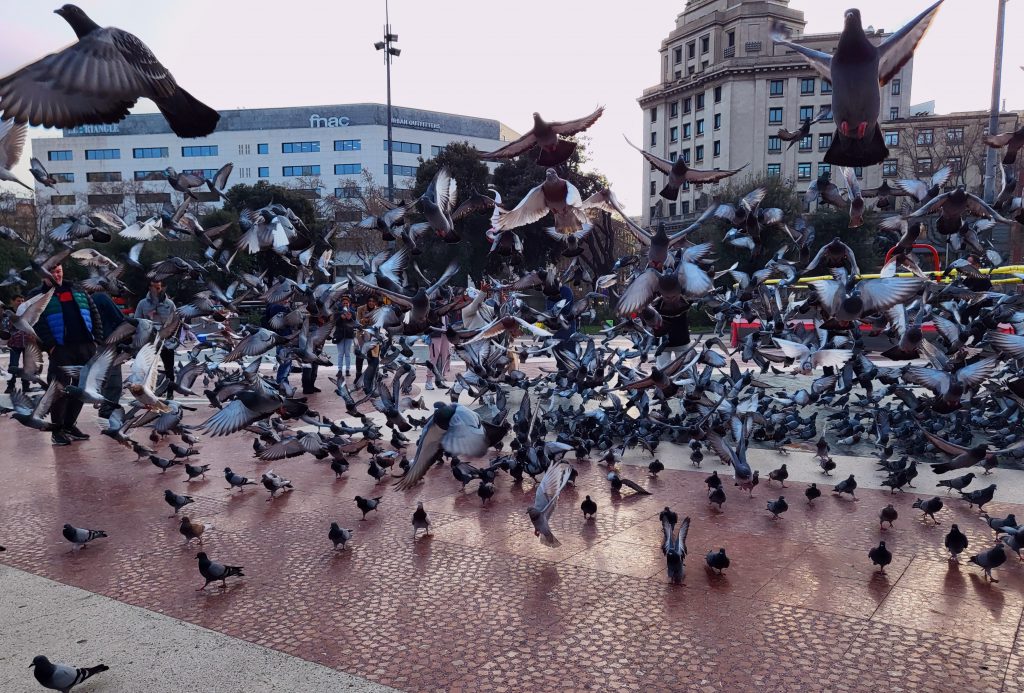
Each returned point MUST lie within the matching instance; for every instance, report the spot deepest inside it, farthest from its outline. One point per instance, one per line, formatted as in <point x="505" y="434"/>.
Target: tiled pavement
<point x="482" y="605"/>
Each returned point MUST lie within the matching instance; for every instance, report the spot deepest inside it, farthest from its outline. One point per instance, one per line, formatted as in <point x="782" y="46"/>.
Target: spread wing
<point x="513" y="148"/>
<point x="663" y="165"/>
<point x="571" y="127"/>
<point x="554" y="480"/>
<point x="821" y="62"/>
<point x="896" y="50"/>
<point x="465" y="435"/>
<point x="530" y="209"/>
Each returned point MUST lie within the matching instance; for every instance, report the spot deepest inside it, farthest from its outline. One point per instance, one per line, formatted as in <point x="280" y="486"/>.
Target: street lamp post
<point x="389" y="52"/>
<point x="993" y="118"/>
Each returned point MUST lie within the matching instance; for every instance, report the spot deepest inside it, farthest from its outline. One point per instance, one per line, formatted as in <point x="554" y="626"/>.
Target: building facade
<point x="333" y="144"/>
<point x="725" y="91"/>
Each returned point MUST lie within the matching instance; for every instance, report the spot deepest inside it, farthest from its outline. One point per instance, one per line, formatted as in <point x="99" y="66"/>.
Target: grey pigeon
<point x="196" y="470"/>
<point x="420" y="520"/>
<point x="717" y="560"/>
<point x="339" y="536"/>
<point x="780" y="475"/>
<point x="980" y="497"/>
<point x="61" y="677"/>
<point x="856" y="69"/>
<point x="880" y="556"/>
<point x="674" y="547"/>
<point x="175" y="501"/>
<point x="212" y="571"/>
<point x="888" y="514"/>
<point x="847" y="485"/>
<point x="367" y="504"/>
<point x="929" y="507"/>
<point x="548" y="137"/>
<point x="717" y="496"/>
<point x="236" y="480"/>
<point x="812" y="492"/>
<point x="990" y="560"/>
<point x="97" y="80"/>
<point x="80" y="537"/>
<point x="958" y="483"/>
<point x="956" y="543"/>
<point x="1001" y="525"/>
<point x="777" y="507"/>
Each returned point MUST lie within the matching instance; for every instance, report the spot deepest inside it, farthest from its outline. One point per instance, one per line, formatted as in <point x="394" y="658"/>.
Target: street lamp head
<point x="379" y="45"/>
<point x="391" y="37"/>
<point x="395" y="51"/>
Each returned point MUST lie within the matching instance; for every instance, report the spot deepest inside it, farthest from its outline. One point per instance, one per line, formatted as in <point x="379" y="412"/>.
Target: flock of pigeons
<point x="959" y="395"/>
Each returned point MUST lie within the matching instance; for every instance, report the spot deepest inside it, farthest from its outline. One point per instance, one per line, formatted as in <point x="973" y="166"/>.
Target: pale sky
<point x="557" y="57"/>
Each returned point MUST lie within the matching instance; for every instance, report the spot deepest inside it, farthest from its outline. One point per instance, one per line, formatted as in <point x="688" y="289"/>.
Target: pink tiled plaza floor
<point x="482" y="605"/>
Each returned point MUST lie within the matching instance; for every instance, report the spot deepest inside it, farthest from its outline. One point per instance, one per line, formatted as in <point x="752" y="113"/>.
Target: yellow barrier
<point x="1006" y="269"/>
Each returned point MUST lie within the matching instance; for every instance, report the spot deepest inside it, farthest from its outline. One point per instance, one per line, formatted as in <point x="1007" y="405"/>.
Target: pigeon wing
<point x="896" y="50"/>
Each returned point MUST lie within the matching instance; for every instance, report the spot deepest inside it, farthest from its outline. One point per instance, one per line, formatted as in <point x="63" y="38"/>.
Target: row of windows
<point x="777" y="87"/>
<point x="405" y="147"/>
<point x="299" y="147"/>
<point x="408" y="171"/>
<point x="803" y="170"/>
<point x="95" y="154"/>
<point x="705" y="47"/>
<point x="689" y="103"/>
<point x="805" y="144"/>
<point x="113" y="198"/>
<point x="150" y="153"/>
<point x="347" y="145"/>
<point x="288" y="171"/>
<point x="203" y="150"/>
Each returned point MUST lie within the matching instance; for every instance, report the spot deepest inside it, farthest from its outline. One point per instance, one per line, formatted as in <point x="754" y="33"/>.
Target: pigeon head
<point x="852" y="19"/>
<point x="39" y="661"/>
<point x="78" y="20"/>
<point x="201" y="555"/>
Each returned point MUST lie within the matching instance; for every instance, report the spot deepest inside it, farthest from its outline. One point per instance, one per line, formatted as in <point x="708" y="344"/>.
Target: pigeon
<point x="485" y="490"/>
<point x="674" y="546"/>
<point x="713" y="481"/>
<point x="212" y="571"/>
<point x="61" y="677"/>
<point x="548" y="490"/>
<point x="780" y="475"/>
<point x="655" y="467"/>
<point x="196" y="470"/>
<point x="367" y="504"/>
<point x="192" y="530"/>
<point x="617" y="482"/>
<point x="716" y="496"/>
<point x="956" y="543"/>
<point x="888" y="514"/>
<point x="679" y="173"/>
<point x="1002" y="525"/>
<point x="589" y="508"/>
<point x="555" y="195"/>
<point x="236" y="480"/>
<point x="717" y="560"/>
<point x="856" y="69"/>
<point x="97" y="80"/>
<point x="777" y="507"/>
<point x="339" y="536"/>
<point x="274" y="483"/>
<point x="546" y="135"/>
<point x="929" y="507"/>
<point x="958" y="483"/>
<point x="880" y="556"/>
<point x="175" y="501"/>
<point x="812" y="492"/>
<point x="419" y="520"/>
<point x="847" y="485"/>
<point x="12" y="143"/>
<point x="990" y="560"/>
<point x="163" y="463"/>
<point x="980" y="497"/>
<point x="80" y="537"/>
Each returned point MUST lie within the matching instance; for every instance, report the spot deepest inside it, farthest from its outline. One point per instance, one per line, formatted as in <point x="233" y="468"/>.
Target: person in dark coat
<point x="68" y="330"/>
<point x="344" y="334"/>
<point x="16" y="345"/>
<point x="284" y="364"/>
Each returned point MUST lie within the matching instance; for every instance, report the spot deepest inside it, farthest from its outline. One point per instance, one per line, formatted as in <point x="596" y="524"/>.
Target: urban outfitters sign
<point x="318" y="121"/>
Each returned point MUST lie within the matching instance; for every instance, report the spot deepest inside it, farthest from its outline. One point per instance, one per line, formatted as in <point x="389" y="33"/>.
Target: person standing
<point x="344" y="334"/>
<point x="362" y="320"/>
<point x="284" y="363"/>
<point x="156" y="306"/>
<point x="17" y="346"/>
<point x="68" y="330"/>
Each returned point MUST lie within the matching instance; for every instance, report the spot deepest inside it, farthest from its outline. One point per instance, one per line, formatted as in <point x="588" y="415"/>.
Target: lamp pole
<point x="389" y="52"/>
<point x="993" y="116"/>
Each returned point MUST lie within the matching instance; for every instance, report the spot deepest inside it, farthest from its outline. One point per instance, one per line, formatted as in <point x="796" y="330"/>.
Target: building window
<point x="672" y="156"/>
<point x="152" y="198"/>
<point x="824" y="141"/>
<point x="700" y="102"/>
<point x="149" y="153"/>
<point x="673" y="134"/>
<point x="858" y="171"/>
<point x="262" y="148"/>
<point x="806" y="113"/>
<point x="653" y="188"/>
<point x="654" y="114"/>
<point x="826" y="86"/>
<point x="204" y="150"/>
<point x="716" y="148"/>
<point x="806" y="86"/>
<point x="347" y="145"/>
<point x="774" y="144"/>
<point x="687" y="104"/>
<point x="149" y="175"/>
<point x="96" y="154"/>
<point x="889" y="168"/>
<point x="66" y="177"/>
<point x="776" y="87"/>
<point x="106" y="199"/>
<point x="686" y="156"/>
<point x="924" y="166"/>
<point x="671" y="209"/>
<point x="803" y="171"/>
<point x="895" y="87"/>
<point x="954" y="135"/>
<point x="208" y="173"/>
<point x="691" y="50"/>
<point x="824" y="168"/>
<point x="403" y="147"/>
<point x="347" y="169"/>
<point x="705" y="44"/>
<point x="827" y="118"/>
<point x="775" y="116"/>
<point x="263" y="172"/>
<point x="718" y="121"/>
<point x="59" y="155"/>
<point x="408" y="171"/>
<point x="685" y="185"/>
<point x="686" y="131"/>
<point x="700" y="126"/>
<point x="806" y="143"/>
<point x="730" y="39"/>
<point x="894" y="113"/>
<point x="293" y="171"/>
<point x="774" y="169"/>
<point x="349" y="192"/>
<point x="654" y="139"/>
<point x="698" y="154"/>
<point x="718" y="94"/>
<point x="62" y="200"/>
<point x="677" y="55"/>
<point x="892" y="138"/>
<point x="673" y="109"/>
<point x="299" y="147"/>
<point x="102" y="177"/>
<point x="925" y="137"/>
<point x="955" y="165"/>
<point x="244" y="149"/>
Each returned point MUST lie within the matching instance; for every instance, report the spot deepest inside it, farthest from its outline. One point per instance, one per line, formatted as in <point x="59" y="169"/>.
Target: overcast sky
<point x="560" y="58"/>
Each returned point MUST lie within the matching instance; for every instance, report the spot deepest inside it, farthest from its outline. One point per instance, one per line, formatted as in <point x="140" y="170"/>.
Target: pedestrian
<point x="157" y="307"/>
<point x="68" y="331"/>
<point x="284" y="361"/>
<point x="675" y="336"/>
<point x="111" y="316"/>
<point x="363" y="320"/>
<point x="311" y="370"/>
<point x="17" y="346"/>
<point x="344" y="334"/>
